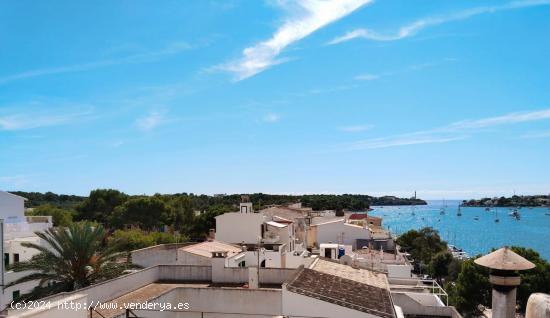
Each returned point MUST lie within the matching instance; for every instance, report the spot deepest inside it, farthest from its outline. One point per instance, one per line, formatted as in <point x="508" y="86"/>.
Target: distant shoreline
<point x="514" y="201"/>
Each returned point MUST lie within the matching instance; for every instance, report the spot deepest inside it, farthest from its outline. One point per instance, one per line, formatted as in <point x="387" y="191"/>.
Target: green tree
<point x="73" y="257"/>
<point x="184" y="214"/>
<point x="439" y="265"/>
<point x="100" y="205"/>
<point x="536" y="280"/>
<point x="148" y="213"/>
<point x="60" y="217"/>
<point x="471" y="289"/>
<point x="423" y="244"/>
<point x="134" y="239"/>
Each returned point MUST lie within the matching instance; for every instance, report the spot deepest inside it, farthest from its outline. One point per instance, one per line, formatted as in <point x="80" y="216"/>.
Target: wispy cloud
<point x="419" y="25"/>
<point x="151" y="120"/>
<point x="455" y="131"/>
<point x="150" y="56"/>
<point x="367" y="77"/>
<point x="356" y="128"/>
<point x="36" y="116"/>
<point x="271" y="118"/>
<point x="411" y="68"/>
<point x="304" y="18"/>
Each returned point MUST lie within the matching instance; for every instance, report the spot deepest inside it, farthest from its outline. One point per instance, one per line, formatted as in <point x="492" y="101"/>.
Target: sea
<point x="474" y="236"/>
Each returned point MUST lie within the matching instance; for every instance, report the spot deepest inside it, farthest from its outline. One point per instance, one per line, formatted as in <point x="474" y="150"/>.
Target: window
<point x="262" y="264"/>
<point x="15" y="257"/>
<point x="6" y="259"/>
<point x="15" y="295"/>
<point x="242" y="264"/>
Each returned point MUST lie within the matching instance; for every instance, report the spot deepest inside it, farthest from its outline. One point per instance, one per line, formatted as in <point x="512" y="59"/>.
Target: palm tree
<point x="73" y="257"/>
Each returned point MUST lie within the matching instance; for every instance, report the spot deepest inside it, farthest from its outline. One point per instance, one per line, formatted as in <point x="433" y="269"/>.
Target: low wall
<point x="184" y="273"/>
<point x="162" y="254"/>
<point x="275" y="275"/>
<point x="412" y="306"/>
<point x="219" y="302"/>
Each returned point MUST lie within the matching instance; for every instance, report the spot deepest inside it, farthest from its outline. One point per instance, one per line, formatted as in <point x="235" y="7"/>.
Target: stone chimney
<point x="504" y="265"/>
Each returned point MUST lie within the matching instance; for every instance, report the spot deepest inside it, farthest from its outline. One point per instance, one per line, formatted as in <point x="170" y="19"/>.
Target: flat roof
<point x="153" y="291"/>
<point x="207" y="248"/>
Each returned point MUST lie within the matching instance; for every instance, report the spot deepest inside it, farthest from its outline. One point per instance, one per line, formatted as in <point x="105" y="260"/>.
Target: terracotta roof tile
<point x="342" y="292"/>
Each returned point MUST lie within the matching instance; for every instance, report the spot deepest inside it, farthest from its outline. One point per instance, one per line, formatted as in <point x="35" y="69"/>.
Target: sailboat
<point x="515" y="214"/>
<point x="496" y="215"/>
<point x="459" y="212"/>
<point x="442" y="211"/>
<point x="414" y="205"/>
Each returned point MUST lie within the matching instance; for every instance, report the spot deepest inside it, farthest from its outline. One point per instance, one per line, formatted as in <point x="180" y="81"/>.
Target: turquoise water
<point x="474" y="237"/>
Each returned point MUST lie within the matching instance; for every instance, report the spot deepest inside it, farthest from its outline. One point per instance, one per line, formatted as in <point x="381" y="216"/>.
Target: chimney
<point x="504" y="264"/>
<point x="218" y="266"/>
<point x="212" y="234"/>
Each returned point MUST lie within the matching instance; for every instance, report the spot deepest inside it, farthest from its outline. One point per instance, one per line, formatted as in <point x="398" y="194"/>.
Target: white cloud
<point x="417" y="26"/>
<point x="151" y="121"/>
<point x="367" y="77"/>
<point x="404" y="140"/>
<point x="151" y="56"/>
<point x="305" y="17"/>
<point x="511" y="118"/>
<point x="271" y="118"/>
<point x="36" y="117"/>
<point x="410" y="68"/>
<point x="455" y="131"/>
<point x="356" y="128"/>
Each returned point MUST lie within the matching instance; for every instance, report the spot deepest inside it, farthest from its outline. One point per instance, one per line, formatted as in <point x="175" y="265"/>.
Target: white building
<point x="336" y="231"/>
<point x="243" y="227"/>
<point x="323" y="289"/>
<point x="16" y="230"/>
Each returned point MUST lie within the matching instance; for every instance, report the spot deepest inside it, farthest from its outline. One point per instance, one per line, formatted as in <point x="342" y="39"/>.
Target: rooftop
<point x="276" y="224"/>
<point x="363" y="276"/>
<point x="283" y="212"/>
<point x="342" y="292"/>
<point x="504" y="259"/>
<point x="358" y="216"/>
<point x="206" y="248"/>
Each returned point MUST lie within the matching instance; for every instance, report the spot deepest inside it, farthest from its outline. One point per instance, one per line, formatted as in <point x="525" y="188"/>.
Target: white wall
<point x="12" y="207"/>
<point x="399" y="271"/>
<point x="7" y="296"/>
<point x="296" y="305"/>
<point x="422" y="304"/>
<point x="340" y="232"/>
<point x="186" y="258"/>
<point x="164" y="254"/>
<point x="238" y="227"/>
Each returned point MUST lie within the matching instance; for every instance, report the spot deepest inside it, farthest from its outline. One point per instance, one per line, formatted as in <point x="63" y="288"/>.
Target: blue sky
<point x="449" y="98"/>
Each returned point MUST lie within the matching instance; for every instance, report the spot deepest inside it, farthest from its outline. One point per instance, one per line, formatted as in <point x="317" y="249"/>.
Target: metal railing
<point x="430" y="285"/>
